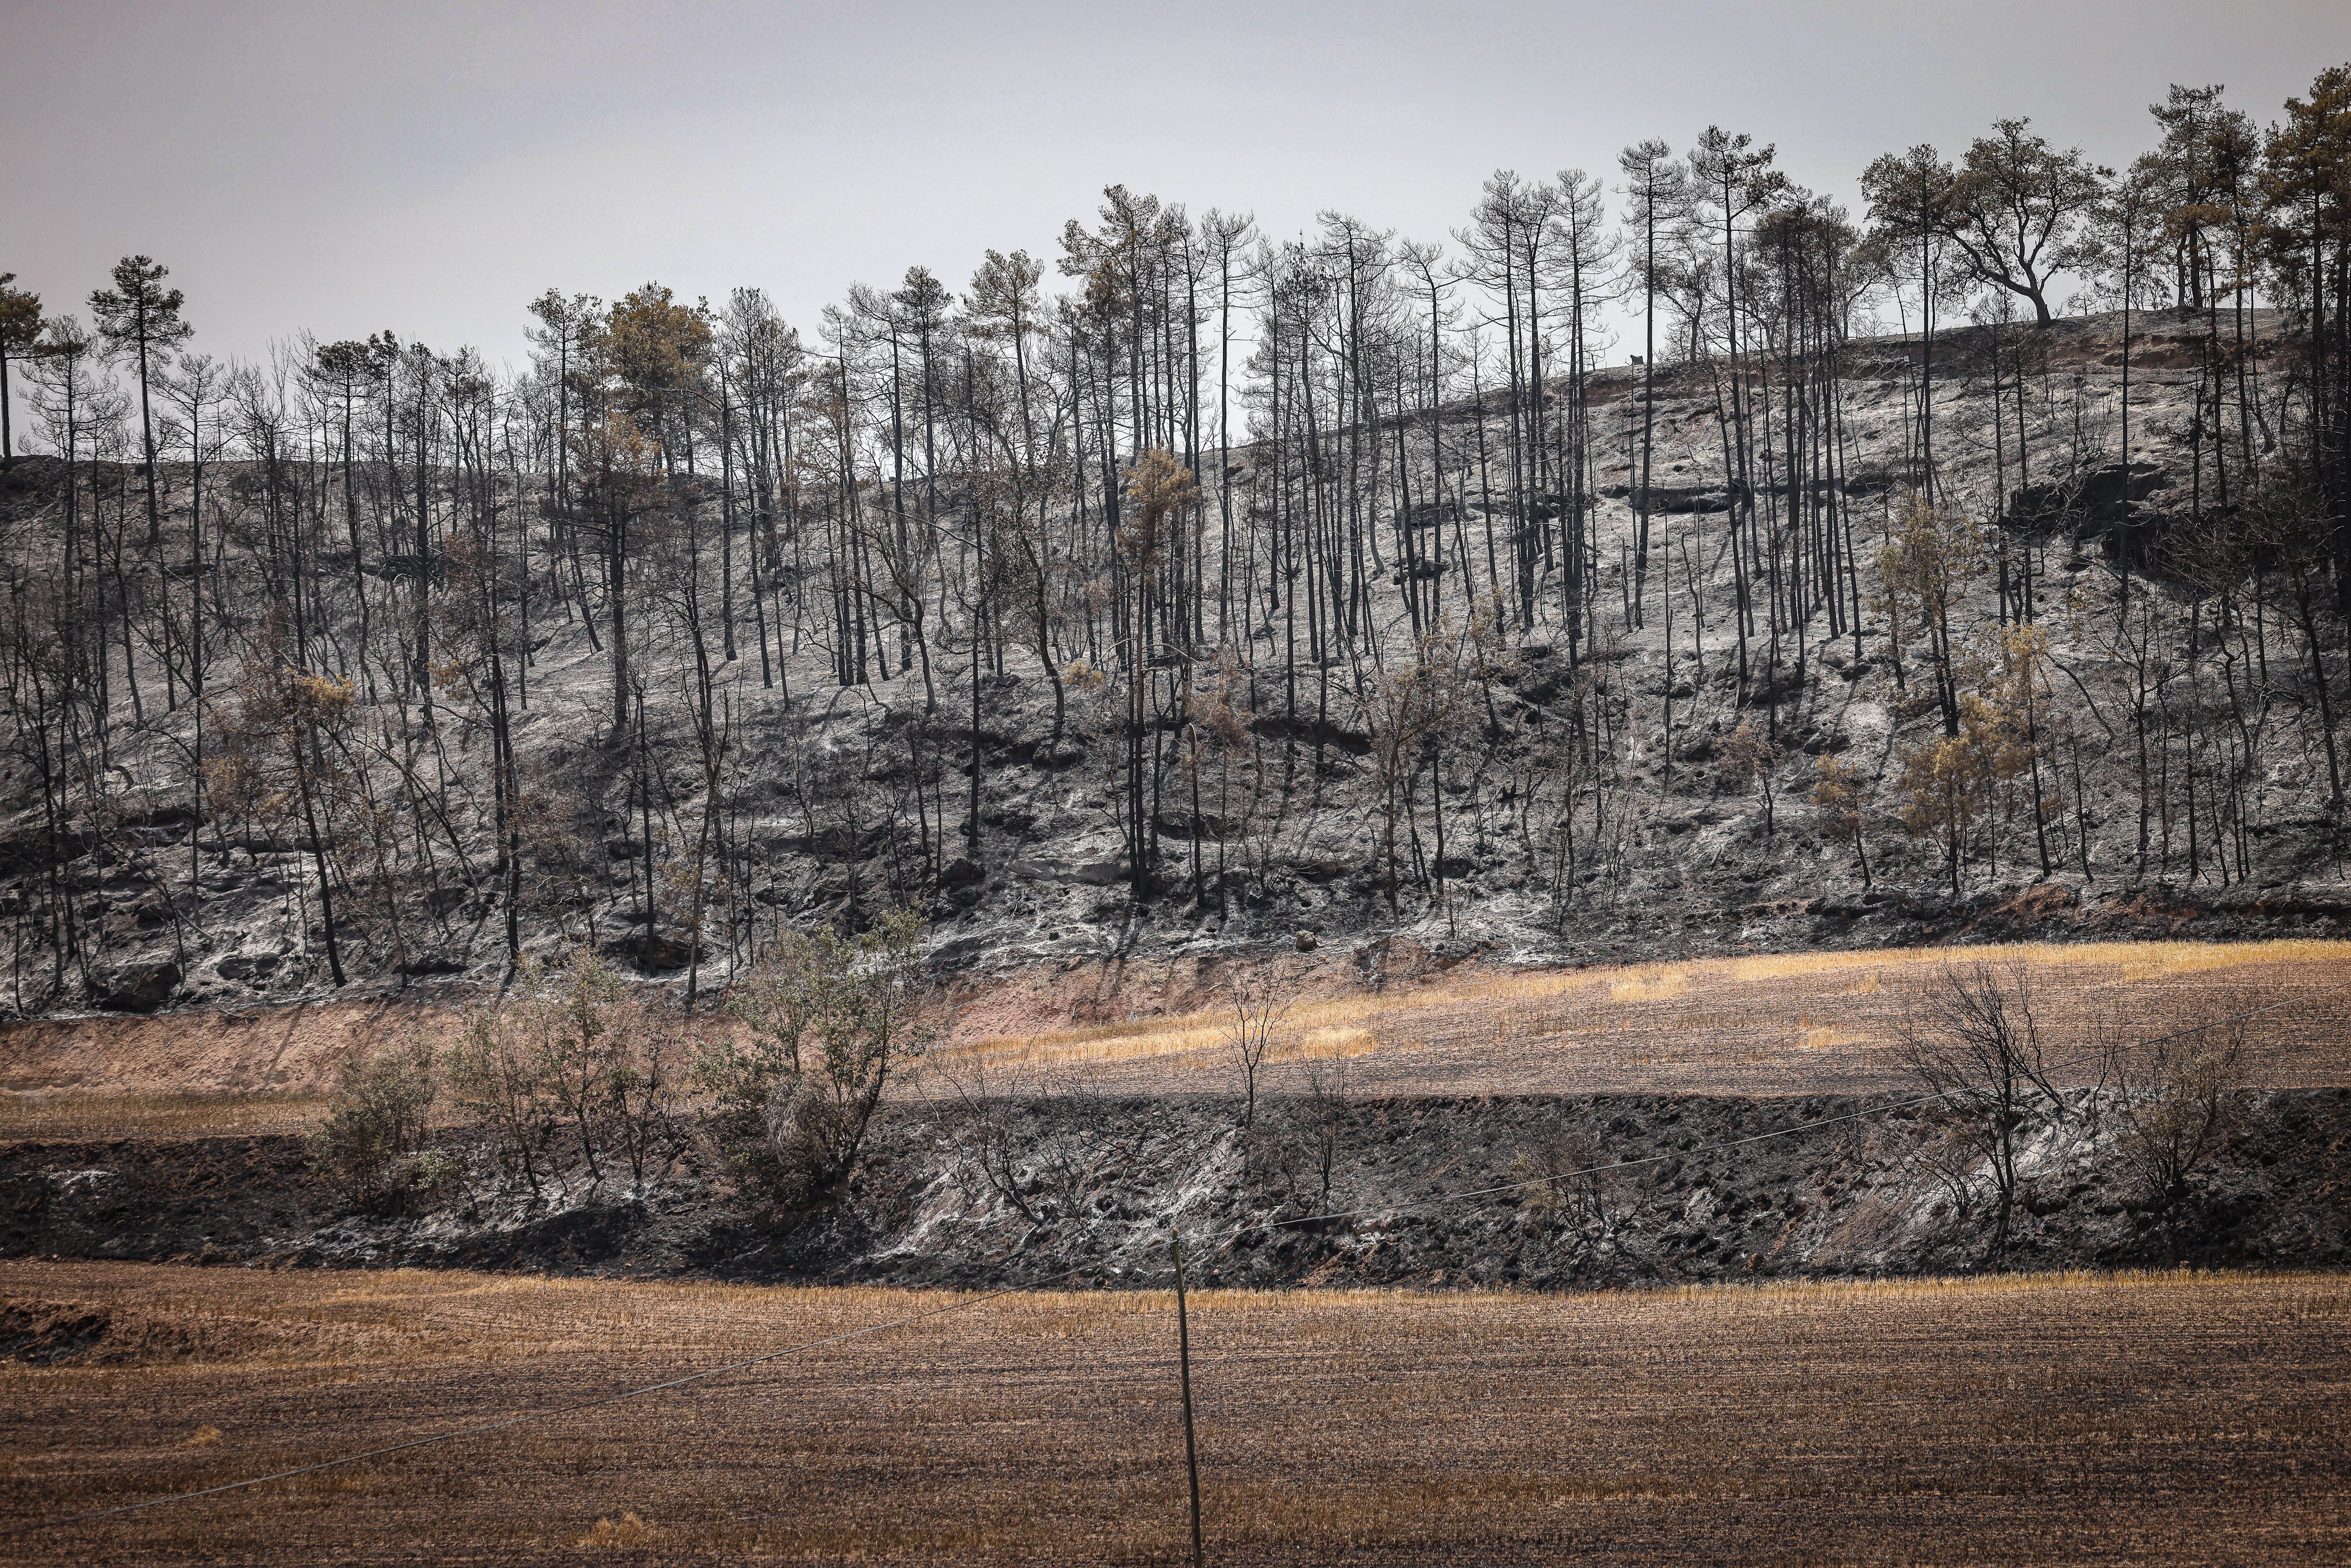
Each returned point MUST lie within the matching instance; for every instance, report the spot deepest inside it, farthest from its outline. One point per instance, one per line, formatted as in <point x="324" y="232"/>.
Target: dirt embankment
<point x="1321" y="1190"/>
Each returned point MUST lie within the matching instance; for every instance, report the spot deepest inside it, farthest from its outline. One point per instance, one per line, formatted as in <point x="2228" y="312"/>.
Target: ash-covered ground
<point x="1564" y="823"/>
<point x="1080" y="1189"/>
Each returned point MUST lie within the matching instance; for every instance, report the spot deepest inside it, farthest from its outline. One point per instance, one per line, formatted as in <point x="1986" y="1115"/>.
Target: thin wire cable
<point x="1426" y="1203"/>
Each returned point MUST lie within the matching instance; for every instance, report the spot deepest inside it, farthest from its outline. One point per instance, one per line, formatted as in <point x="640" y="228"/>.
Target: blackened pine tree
<point x="139" y="319"/>
<point x="20" y="324"/>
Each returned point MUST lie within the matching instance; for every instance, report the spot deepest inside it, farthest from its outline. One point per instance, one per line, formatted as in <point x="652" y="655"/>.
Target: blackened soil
<point x="1366" y="1192"/>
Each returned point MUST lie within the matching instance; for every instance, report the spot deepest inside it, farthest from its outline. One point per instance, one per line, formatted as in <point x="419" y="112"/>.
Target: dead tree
<point x="1972" y="1040"/>
<point x="1256" y="1007"/>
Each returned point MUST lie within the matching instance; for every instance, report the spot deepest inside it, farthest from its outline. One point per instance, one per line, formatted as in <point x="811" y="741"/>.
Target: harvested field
<point x="261" y="1069"/>
<point x="2157" y="1417"/>
<point x="51" y="1114"/>
<point x="1802" y="1023"/>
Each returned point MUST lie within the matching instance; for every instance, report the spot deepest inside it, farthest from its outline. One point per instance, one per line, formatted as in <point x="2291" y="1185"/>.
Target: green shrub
<point x="830" y="1018"/>
<point x="573" y="1062"/>
<point x="376" y="1116"/>
<point x="438" y="1173"/>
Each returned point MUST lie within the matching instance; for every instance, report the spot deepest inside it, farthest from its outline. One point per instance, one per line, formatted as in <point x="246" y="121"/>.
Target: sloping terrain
<point x="1080" y="1189"/>
<point x="836" y="799"/>
<point x="1735" y="1116"/>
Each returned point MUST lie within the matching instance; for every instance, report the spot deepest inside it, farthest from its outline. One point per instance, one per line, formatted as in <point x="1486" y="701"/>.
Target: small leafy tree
<point x="1933" y="552"/>
<point x="1217" y="736"/>
<point x="1162" y="505"/>
<point x="576" y="1022"/>
<point x="139" y="320"/>
<point x="1415" y="710"/>
<point x="833" y="1018"/>
<point x="2016" y="207"/>
<point x="574" y="1049"/>
<point x="1837" y="793"/>
<point x="1950" y="782"/>
<point x="20" y="327"/>
<point x="1747" y="755"/>
<point x="289" y="726"/>
<point x="376" y="1116"/>
<point x="776" y="1003"/>
<point x="2175" y="1099"/>
<point x="641" y="1093"/>
<point x="500" y="1082"/>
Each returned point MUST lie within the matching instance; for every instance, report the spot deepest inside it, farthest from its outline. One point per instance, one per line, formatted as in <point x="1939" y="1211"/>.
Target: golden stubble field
<point x="1798" y="1023"/>
<point x="2071" y="1418"/>
<point x="1776" y="1024"/>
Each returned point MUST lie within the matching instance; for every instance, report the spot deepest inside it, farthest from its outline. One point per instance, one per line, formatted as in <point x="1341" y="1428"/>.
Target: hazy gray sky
<point x="429" y="168"/>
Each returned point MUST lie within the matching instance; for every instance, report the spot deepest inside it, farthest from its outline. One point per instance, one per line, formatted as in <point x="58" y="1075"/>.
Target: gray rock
<point x="138" y="987"/>
<point x="659" y="952"/>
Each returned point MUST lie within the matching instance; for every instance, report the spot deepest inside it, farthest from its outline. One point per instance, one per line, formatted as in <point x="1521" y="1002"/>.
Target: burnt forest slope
<point x="1591" y="804"/>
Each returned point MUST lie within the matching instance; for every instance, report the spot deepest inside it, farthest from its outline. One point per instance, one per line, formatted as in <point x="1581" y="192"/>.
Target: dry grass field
<point x="263" y="1070"/>
<point x="1779" y="1024"/>
<point x="1783" y="1024"/>
<point x="79" y="1114"/>
<point x="2028" y="1419"/>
